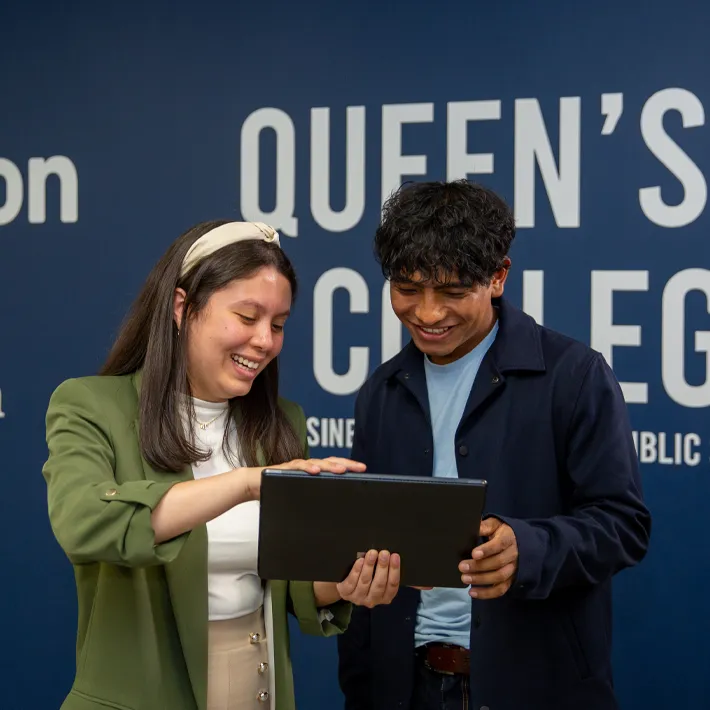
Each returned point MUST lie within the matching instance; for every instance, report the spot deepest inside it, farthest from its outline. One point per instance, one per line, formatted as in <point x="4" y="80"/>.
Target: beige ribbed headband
<point x="223" y="235"/>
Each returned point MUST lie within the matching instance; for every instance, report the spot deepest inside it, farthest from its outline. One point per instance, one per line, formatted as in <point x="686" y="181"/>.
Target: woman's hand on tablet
<point x="332" y="464"/>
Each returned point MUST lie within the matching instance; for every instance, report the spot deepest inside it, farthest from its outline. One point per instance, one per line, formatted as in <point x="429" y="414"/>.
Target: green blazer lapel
<point x="186" y="578"/>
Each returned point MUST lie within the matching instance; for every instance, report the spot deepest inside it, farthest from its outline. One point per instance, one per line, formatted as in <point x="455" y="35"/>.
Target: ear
<point x="498" y="280"/>
<point x="178" y="306"/>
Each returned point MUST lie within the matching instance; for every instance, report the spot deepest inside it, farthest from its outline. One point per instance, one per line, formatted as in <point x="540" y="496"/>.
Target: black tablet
<point x="314" y="527"/>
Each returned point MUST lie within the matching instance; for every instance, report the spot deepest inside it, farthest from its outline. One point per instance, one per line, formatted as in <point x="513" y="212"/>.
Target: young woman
<point x="153" y="482"/>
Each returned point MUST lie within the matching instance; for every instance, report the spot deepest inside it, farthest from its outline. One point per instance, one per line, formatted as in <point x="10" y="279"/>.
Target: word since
<point x="667" y="449"/>
<point x="39" y="171"/>
<point x="330" y="433"/>
<point x="532" y="154"/>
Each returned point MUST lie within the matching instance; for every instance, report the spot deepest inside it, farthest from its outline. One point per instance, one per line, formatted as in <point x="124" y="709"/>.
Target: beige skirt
<point x="238" y="670"/>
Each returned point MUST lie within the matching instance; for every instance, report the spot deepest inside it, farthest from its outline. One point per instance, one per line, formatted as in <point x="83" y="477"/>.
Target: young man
<point x="482" y="391"/>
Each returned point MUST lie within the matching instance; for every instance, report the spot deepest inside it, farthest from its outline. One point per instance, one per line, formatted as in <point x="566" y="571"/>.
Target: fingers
<point x="300" y="465"/>
<point x="347" y="587"/>
<point x="489" y="526"/>
<point x="493" y="564"/>
<point x="373" y="580"/>
<point x="356" y="585"/>
<point x="366" y="574"/>
<point x="328" y="465"/>
<point x="385" y="592"/>
<point x="503" y="538"/>
<point x="379" y="580"/>
<point x="497" y="590"/>
<point x="488" y="564"/>
<point x="493" y="547"/>
<point x="349" y="464"/>
<point x="332" y="464"/>
<point x="313" y="466"/>
<point x="382" y="586"/>
<point x="494" y="577"/>
<point x="394" y="578"/>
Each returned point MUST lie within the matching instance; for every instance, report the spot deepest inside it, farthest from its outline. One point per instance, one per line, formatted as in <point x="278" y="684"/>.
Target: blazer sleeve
<point x="329" y="620"/>
<point x="301" y="602"/>
<point x="94" y="518"/>
<point x="608" y="526"/>
<point x="354" y="659"/>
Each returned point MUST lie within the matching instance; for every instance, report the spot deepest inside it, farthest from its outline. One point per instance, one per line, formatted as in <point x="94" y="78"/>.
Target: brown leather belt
<point x="446" y="658"/>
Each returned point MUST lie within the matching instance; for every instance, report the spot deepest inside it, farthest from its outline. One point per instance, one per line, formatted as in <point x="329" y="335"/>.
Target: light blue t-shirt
<point x="444" y="615"/>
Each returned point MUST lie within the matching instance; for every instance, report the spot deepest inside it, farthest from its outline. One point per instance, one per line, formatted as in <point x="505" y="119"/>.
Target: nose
<point x="429" y="310"/>
<point x="263" y="336"/>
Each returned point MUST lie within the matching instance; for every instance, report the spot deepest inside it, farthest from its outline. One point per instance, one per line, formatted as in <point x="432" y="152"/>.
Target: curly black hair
<point x="443" y="231"/>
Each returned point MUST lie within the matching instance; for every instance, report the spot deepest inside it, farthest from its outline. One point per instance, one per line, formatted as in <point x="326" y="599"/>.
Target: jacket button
<point x="263" y="667"/>
<point x="463" y="450"/>
<point x="111" y="492"/>
<point x="254" y="638"/>
<point x="426" y="451"/>
<point x="264" y="696"/>
<point x="495" y="380"/>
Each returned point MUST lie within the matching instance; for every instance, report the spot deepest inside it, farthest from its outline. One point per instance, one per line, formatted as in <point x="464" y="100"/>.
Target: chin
<point x="438" y="353"/>
<point x="438" y="350"/>
<point x="238" y="389"/>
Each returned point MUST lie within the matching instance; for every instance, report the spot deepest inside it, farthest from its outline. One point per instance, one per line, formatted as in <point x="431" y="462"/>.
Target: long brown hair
<point x="149" y="341"/>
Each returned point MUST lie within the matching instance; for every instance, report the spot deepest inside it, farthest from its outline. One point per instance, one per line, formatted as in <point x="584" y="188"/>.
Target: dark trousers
<point x="439" y="691"/>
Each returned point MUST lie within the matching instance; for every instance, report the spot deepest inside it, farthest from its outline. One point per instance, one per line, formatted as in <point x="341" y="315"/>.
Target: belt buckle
<point x="431" y="649"/>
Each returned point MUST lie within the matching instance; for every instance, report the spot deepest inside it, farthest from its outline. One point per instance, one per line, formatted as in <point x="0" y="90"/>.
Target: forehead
<point x="267" y="290"/>
<point x="441" y="280"/>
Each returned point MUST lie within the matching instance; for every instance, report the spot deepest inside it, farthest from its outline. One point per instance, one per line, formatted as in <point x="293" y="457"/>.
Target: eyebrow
<point x="256" y="305"/>
<point x="437" y="287"/>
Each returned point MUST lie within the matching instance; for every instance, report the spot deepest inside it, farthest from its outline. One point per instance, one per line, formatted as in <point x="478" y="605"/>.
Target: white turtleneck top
<point x="235" y="588"/>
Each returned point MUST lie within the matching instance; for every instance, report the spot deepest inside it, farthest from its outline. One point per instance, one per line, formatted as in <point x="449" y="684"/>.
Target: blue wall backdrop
<point x="123" y="123"/>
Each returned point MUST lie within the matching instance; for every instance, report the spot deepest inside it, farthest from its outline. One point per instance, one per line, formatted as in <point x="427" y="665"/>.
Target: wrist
<point x="248" y="481"/>
<point x="326" y="593"/>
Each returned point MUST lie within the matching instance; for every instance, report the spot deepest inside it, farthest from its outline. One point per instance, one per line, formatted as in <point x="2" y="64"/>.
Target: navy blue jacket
<point x="547" y="426"/>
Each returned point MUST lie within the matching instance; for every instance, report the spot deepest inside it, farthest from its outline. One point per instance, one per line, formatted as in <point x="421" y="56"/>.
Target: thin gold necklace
<point x="204" y="425"/>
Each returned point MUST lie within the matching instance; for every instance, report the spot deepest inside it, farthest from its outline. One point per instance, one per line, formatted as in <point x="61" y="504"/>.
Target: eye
<point x="455" y="294"/>
<point x="406" y="291"/>
<point x="247" y="319"/>
<point x="278" y="327"/>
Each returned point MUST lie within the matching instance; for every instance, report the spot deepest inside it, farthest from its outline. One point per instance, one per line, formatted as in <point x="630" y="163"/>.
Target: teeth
<point x="435" y="331"/>
<point x="243" y="361"/>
